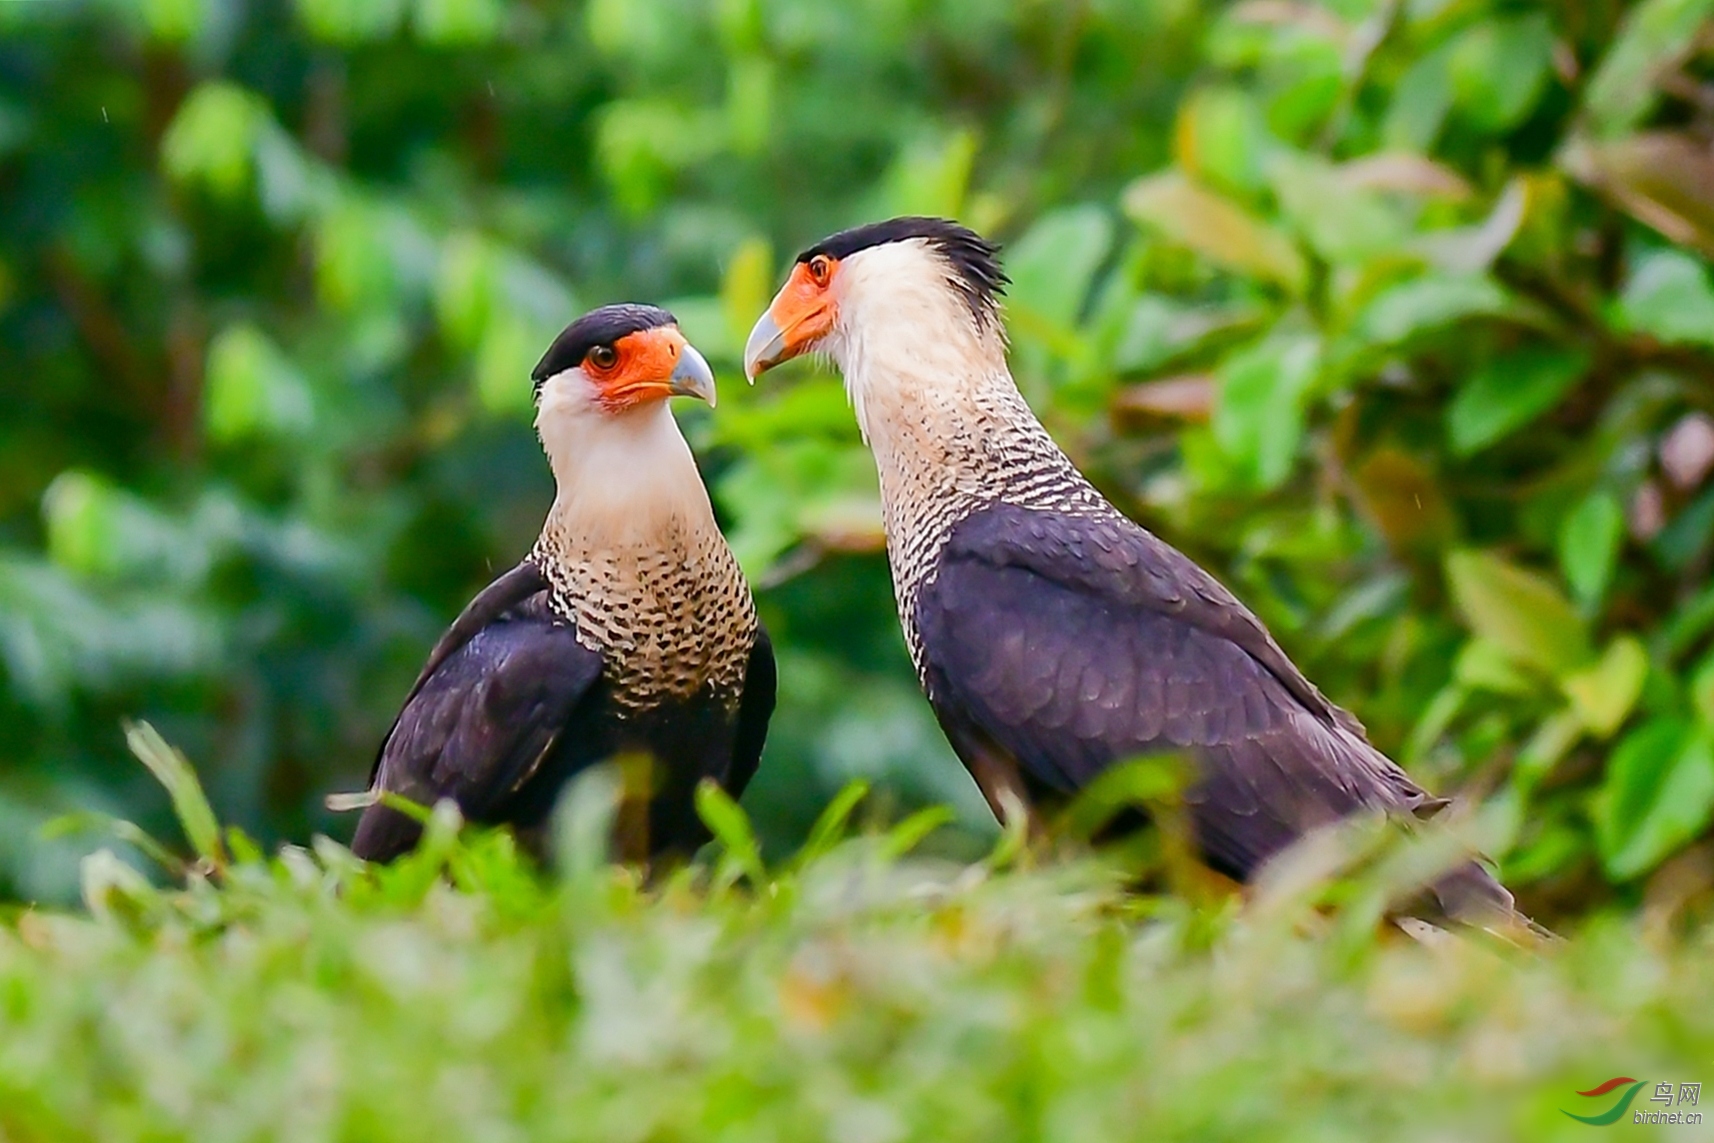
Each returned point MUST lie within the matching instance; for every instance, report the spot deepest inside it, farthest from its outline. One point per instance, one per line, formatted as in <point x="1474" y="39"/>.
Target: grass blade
<point x="731" y="828"/>
<point x="173" y="771"/>
<point x="829" y="827"/>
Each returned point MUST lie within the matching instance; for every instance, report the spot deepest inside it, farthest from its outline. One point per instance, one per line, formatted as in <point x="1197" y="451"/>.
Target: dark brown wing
<point x="1073" y="643"/>
<point x="755" y="708"/>
<point x="498" y="691"/>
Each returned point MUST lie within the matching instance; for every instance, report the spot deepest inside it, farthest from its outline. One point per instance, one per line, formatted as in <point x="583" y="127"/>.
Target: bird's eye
<point x="820" y="269"/>
<point x="603" y="356"/>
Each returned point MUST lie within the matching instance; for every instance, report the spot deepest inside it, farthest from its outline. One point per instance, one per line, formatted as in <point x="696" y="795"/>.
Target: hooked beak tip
<point x="692" y="377"/>
<point x="765" y="348"/>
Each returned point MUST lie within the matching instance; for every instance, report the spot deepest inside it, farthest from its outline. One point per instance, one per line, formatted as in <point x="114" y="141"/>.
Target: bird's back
<point x="1047" y="624"/>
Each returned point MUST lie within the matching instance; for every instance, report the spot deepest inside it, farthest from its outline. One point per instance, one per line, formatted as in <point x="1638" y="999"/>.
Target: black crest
<point x="975" y="260"/>
<point x="597" y="327"/>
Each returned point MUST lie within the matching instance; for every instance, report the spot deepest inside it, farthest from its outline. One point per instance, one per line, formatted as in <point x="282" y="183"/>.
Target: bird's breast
<point x="670" y="622"/>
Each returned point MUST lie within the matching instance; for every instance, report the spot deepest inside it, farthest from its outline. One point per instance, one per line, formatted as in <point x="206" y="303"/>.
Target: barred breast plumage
<point x="670" y="620"/>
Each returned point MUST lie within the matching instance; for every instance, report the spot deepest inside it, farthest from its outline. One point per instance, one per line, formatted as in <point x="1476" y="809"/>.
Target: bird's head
<point x="910" y="287"/>
<point x="618" y="360"/>
<point x="601" y="412"/>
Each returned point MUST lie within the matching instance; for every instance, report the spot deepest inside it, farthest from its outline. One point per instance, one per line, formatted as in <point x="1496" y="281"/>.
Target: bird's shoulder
<point x="1075" y="643"/>
<point x="1114" y="562"/>
<point x="519" y="591"/>
<point x="520" y="601"/>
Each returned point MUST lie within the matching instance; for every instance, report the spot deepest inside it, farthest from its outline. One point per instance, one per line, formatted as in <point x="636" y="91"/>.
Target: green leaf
<point x="1519" y="611"/>
<point x="641" y="143"/>
<point x="1260" y="401"/>
<point x="1471" y="250"/>
<point x="1147" y="783"/>
<point x="1343" y="223"/>
<point x="212" y="139"/>
<point x="85" y="518"/>
<point x="910" y="832"/>
<point x="1220" y="138"/>
<point x="1605" y="694"/>
<point x="1421" y="100"/>
<point x="15" y="127"/>
<point x="1669" y="297"/>
<point x="1429" y="303"/>
<point x="1658" y="795"/>
<point x="1688" y="534"/>
<point x="1702" y="692"/>
<point x="1655" y="35"/>
<point x="175" y="21"/>
<point x="1690" y="621"/>
<point x="931" y="175"/>
<point x="1589" y="540"/>
<point x="1552" y="740"/>
<point x="509" y="350"/>
<point x="1557" y="847"/>
<point x="1218" y="229"/>
<point x="353" y="266"/>
<point x="1158" y="329"/>
<point x="464" y="290"/>
<point x="343" y="22"/>
<point x="1509" y="391"/>
<point x="583" y="822"/>
<point x="1054" y="263"/>
<point x="752" y="84"/>
<point x="98" y="528"/>
<point x="731" y="828"/>
<point x="746" y="287"/>
<point x="1498" y="69"/>
<point x="458" y="22"/>
<point x="113" y="891"/>
<point x="252" y="389"/>
<point x="829" y="827"/>
<point x="1485" y="665"/>
<point x="173" y="771"/>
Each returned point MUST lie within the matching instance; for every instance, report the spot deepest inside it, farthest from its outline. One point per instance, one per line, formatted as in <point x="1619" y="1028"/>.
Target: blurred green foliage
<point x="1396" y="313"/>
<point x="858" y="991"/>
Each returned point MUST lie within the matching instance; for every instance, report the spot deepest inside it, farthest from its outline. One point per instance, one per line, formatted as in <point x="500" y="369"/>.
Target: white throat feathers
<point x="618" y="475"/>
<point x="633" y="553"/>
<point x="901" y="321"/>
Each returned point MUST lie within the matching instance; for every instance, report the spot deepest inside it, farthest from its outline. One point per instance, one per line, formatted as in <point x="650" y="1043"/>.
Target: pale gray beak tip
<point x="692" y="377"/>
<point x="766" y="347"/>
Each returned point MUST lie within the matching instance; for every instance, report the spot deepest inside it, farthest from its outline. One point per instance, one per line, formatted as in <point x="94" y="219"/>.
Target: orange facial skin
<point x="802" y="314"/>
<point x="639" y="370"/>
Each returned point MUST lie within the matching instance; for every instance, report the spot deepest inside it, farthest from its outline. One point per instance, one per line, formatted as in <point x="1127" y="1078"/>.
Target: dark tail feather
<point x="383" y="833"/>
<point x="1471" y="896"/>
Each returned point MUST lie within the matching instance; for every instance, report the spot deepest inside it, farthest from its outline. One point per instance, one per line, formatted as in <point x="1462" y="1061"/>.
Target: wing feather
<point x="489" y="708"/>
<point x="1075" y="643"/>
<point x="755" y="708"/>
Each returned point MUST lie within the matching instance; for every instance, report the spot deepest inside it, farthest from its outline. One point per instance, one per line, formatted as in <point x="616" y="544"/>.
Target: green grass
<point x="856" y="993"/>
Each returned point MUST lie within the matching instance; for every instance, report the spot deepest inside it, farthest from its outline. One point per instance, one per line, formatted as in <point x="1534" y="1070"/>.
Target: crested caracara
<point x="1052" y="635"/>
<point x="628" y="630"/>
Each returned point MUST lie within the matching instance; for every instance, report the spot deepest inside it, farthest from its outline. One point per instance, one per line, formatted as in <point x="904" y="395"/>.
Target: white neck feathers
<point x="912" y="352"/>
<point x="624" y="479"/>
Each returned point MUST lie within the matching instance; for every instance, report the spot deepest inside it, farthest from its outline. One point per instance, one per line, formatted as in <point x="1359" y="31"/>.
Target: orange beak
<point x="653" y="365"/>
<point x="801" y="314"/>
